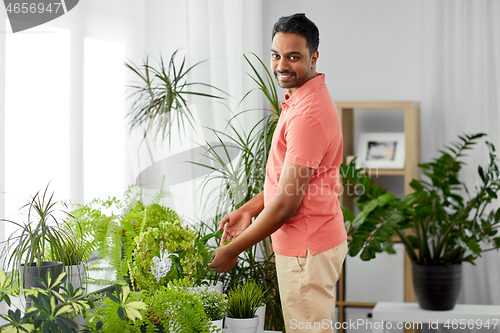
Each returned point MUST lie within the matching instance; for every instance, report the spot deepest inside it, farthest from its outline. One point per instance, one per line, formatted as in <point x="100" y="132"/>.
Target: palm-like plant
<point x="43" y="231"/>
<point x="160" y="98"/>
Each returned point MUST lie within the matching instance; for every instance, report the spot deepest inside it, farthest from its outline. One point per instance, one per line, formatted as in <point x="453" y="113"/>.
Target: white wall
<point x="369" y="49"/>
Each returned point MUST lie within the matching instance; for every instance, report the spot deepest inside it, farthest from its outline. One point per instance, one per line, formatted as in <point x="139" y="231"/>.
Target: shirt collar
<point x="305" y="89"/>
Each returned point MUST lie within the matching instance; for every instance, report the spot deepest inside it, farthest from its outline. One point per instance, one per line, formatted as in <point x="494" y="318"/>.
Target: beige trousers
<point x="307" y="289"/>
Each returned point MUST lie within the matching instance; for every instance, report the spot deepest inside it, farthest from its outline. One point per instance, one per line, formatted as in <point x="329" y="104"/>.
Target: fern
<point x="176" y="309"/>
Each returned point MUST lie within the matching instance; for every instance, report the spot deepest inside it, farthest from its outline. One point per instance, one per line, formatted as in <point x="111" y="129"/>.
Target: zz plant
<point x="448" y="223"/>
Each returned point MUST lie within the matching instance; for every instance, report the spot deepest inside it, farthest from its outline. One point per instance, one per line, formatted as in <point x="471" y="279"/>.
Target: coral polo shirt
<point x="308" y="134"/>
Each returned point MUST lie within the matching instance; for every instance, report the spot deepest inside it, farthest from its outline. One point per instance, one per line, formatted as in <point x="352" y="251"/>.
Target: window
<point x="104" y="122"/>
<point x="36" y="115"/>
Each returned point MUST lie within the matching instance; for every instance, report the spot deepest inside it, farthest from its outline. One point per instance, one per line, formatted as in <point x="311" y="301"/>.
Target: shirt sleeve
<point x="306" y="142"/>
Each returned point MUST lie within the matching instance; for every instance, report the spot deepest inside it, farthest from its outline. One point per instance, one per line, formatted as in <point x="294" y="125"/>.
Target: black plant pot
<point x="33" y="271"/>
<point x="437" y="287"/>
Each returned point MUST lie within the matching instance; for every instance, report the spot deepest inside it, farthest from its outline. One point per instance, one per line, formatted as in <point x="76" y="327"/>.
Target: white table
<point x="391" y="314"/>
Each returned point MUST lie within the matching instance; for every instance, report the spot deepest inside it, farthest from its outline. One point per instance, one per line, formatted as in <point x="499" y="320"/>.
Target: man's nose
<point x="283" y="65"/>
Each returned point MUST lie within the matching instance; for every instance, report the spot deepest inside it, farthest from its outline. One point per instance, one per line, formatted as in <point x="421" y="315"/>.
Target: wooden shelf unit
<point x="411" y="111"/>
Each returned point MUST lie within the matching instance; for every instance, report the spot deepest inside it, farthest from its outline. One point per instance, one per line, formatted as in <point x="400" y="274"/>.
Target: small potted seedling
<point x="242" y="305"/>
<point x="215" y="305"/>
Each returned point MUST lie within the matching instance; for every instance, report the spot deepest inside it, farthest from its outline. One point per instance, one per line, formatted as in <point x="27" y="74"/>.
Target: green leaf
<point x="491" y="193"/>
<point x="355" y="246"/>
<point x="416" y="185"/>
<point x="121" y="314"/>
<point x="114" y="298"/>
<point x="413" y="241"/>
<point x="481" y="174"/>
<point x="368" y="253"/>
<point x="389" y="247"/>
<point x="497" y="215"/>
<point x="348" y="214"/>
<point x="384" y="199"/>
<point x="360" y="218"/>
<point x="496" y="240"/>
<point x="474" y="246"/>
<point x="376" y="245"/>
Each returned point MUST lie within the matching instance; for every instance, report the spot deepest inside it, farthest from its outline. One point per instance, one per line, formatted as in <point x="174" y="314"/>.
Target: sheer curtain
<point x="57" y="116"/>
<point x="461" y="94"/>
<point x="217" y="32"/>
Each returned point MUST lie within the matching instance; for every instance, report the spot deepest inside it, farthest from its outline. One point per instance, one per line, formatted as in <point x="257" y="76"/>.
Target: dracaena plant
<point x="441" y="223"/>
<point x="160" y="98"/>
<point x="44" y="231"/>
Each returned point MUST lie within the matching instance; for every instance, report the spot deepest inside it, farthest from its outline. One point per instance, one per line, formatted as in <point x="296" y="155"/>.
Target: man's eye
<point x="275" y="56"/>
<point x="294" y="58"/>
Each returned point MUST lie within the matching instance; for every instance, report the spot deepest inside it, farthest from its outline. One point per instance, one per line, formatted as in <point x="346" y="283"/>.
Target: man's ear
<point x="314" y="57"/>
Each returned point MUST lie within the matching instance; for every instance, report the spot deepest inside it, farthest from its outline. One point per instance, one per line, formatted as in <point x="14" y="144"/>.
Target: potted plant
<point x="160" y="96"/>
<point x="215" y="306"/>
<point x="169" y="239"/>
<point x="44" y="231"/>
<point x="52" y="311"/>
<point x="174" y="309"/>
<point x="120" y="311"/>
<point x="243" y="302"/>
<point x="441" y="224"/>
<point x="73" y="261"/>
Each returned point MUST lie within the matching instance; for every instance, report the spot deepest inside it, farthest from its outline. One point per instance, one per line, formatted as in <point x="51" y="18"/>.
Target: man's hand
<point x="223" y="260"/>
<point x="234" y="224"/>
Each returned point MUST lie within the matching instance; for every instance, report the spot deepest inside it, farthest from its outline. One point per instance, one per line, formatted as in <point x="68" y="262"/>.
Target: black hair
<point x="299" y="24"/>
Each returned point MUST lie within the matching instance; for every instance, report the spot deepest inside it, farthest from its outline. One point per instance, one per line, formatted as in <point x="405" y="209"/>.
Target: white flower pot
<point x="218" y="287"/>
<point x="216" y="324"/>
<point x="261" y="314"/>
<point x="75" y="274"/>
<point x="242" y="325"/>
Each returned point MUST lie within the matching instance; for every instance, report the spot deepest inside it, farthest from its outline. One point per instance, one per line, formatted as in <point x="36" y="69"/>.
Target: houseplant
<point x="174" y="309"/>
<point x="55" y="311"/>
<point x="73" y="261"/>
<point x="160" y="96"/>
<point x="44" y="231"/>
<point x="120" y="311"/>
<point x="52" y="311"/>
<point x="243" y="302"/>
<point x="215" y="305"/>
<point x="171" y="238"/>
<point x="441" y="224"/>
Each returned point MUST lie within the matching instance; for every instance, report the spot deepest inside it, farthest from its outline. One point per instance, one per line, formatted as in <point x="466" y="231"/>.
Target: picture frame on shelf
<point x="381" y="150"/>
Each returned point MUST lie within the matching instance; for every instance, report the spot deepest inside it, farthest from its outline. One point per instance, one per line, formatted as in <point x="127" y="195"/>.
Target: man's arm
<point x="291" y="189"/>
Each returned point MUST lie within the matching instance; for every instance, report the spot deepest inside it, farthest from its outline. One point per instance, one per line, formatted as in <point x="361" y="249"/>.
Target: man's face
<point x="291" y="62"/>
